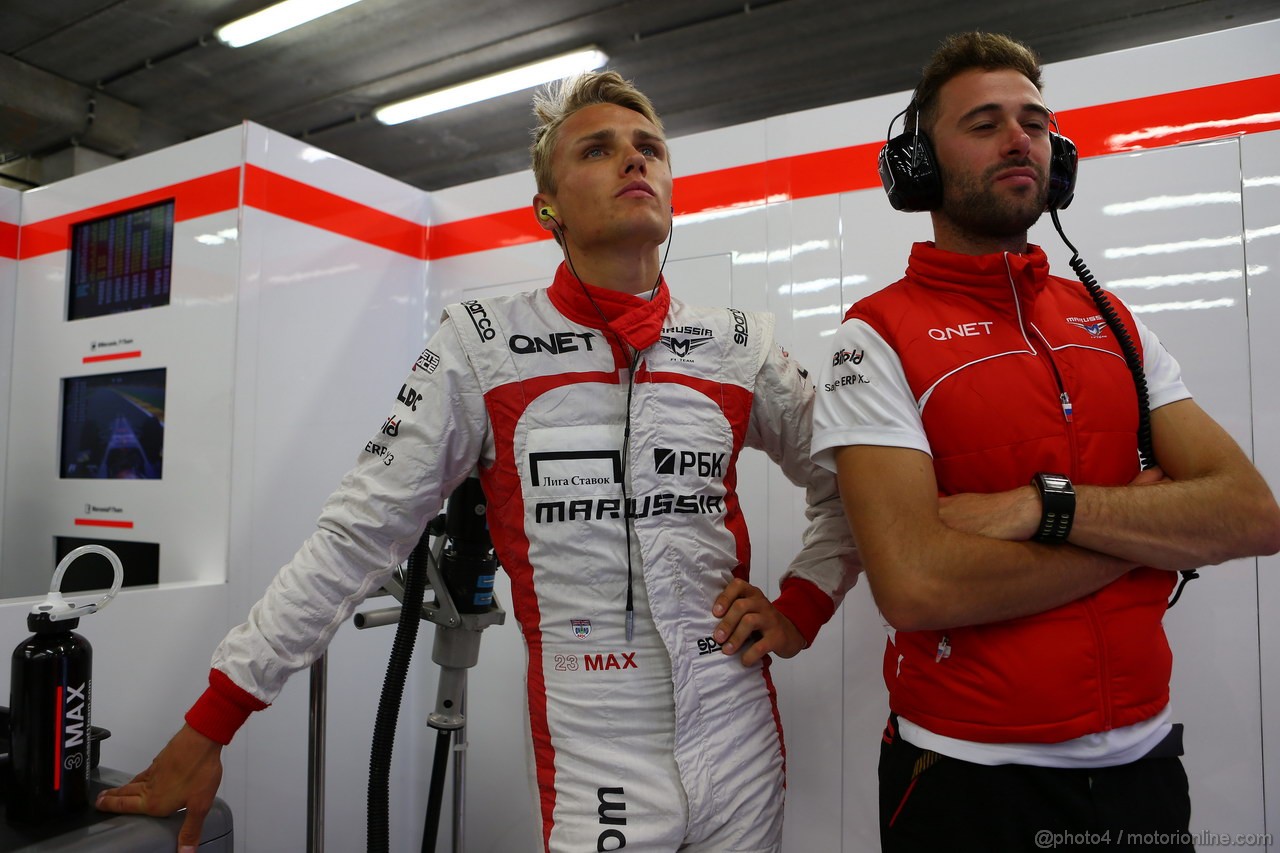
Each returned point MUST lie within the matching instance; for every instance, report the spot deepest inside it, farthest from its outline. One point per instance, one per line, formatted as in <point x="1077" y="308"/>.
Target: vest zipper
<point x="1091" y="610"/>
<point x="1064" y="400"/>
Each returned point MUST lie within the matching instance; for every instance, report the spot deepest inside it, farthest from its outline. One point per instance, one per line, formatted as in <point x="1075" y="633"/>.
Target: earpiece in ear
<point x="545" y="213"/>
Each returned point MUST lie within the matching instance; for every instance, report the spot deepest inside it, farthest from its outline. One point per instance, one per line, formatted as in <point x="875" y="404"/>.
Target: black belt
<point x="1170" y="746"/>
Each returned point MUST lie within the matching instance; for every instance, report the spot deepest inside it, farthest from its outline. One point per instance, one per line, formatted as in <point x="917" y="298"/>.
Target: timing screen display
<point x="121" y="262"/>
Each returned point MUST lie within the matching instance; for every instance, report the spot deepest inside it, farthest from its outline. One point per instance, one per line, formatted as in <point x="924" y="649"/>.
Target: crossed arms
<point x="967" y="559"/>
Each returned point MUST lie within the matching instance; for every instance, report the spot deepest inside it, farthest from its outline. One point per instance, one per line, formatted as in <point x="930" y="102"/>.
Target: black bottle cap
<point x="40" y="623"/>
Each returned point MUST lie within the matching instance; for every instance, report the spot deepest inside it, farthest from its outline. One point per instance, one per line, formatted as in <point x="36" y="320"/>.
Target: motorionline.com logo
<point x="1124" y="839"/>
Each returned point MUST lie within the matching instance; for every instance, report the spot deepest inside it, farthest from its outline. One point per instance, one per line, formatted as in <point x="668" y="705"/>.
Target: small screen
<point x="113" y="426"/>
<point x="121" y="262"/>
<point x="140" y="561"/>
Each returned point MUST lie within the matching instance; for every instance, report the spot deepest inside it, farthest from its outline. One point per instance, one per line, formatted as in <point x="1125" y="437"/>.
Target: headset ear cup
<point x="1064" y="161"/>
<point x="909" y="173"/>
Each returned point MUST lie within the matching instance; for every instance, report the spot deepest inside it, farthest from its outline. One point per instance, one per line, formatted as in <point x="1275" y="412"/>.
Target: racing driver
<point x="606" y="419"/>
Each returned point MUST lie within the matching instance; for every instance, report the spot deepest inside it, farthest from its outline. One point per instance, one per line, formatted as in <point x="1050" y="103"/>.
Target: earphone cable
<point x="630" y="618"/>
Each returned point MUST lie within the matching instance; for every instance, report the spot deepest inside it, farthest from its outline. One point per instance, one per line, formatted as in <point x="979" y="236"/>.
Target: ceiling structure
<point x="87" y="82"/>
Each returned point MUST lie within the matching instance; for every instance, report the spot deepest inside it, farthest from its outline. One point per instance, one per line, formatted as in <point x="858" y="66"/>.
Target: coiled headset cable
<point x="1146" y="449"/>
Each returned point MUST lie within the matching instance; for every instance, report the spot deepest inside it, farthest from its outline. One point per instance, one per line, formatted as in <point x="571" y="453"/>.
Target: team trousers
<point x="930" y="803"/>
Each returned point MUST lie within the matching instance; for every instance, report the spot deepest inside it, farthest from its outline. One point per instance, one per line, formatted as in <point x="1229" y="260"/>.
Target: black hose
<point x="384" y="729"/>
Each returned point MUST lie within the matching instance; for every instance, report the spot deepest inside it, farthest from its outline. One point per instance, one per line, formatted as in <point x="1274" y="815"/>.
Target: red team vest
<point x="989" y="346"/>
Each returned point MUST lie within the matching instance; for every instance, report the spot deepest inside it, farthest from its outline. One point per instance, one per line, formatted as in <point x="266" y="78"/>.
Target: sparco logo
<point x="613" y="837"/>
<point x="668" y="461"/>
<point x="844" y="355"/>
<point x="554" y="343"/>
<point x="707" y="645"/>
<point x="739" y="327"/>
<point x="480" y="319"/>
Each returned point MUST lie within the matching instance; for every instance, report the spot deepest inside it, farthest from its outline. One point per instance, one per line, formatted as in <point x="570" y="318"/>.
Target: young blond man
<point x="606" y="418"/>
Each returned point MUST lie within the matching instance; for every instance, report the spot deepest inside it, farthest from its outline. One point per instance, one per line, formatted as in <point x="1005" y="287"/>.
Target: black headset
<point x="909" y="168"/>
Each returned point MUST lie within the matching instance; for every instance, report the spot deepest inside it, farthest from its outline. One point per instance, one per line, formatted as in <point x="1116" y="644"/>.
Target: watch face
<point x="1055" y="482"/>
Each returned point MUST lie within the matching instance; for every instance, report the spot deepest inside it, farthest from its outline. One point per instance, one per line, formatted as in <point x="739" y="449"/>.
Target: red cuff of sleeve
<point x="222" y="709"/>
<point x="807" y="606"/>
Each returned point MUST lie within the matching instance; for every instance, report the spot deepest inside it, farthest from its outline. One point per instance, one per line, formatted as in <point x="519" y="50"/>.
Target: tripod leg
<point x="459" y="788"/>
<point x="436" y="792"/>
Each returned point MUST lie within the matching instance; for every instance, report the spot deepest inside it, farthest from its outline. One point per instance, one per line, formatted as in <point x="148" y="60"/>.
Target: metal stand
<point x="455" y="650"/>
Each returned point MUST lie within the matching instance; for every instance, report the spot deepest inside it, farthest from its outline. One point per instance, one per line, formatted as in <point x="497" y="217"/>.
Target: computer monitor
<point x="113" y="426"/>
<point x="140" y="561"/>
<point x="121" y="262"/>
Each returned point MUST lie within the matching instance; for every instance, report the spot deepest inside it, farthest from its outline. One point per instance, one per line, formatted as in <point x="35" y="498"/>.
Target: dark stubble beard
<point x="974" y="206"/>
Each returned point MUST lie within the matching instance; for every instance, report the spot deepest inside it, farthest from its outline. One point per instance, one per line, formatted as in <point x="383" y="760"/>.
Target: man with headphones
<point x="986" y="431"/>
<point x="606" y="418"/>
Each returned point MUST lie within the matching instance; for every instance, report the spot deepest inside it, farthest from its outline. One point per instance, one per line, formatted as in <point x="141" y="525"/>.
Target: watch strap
<point x="1058" y="507"/>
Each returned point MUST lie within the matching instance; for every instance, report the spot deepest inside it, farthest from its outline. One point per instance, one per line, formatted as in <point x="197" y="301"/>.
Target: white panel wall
<point x="297" y="342"/>
<point x="10" y="207"/>
<point x="151" y="645"/>
<point x="1161" y="229"/>
<point x="1261" y="191"/>
<point x="185" y="510"/>
<point x="328" y="327"/>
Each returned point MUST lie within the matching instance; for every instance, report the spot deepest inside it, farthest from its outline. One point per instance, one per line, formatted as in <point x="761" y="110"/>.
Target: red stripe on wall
<point x="191" y="199"/>
<point x="1227" y="109"/>
<point x="90" y="359"/>
<point x="8" y="240"/>
<point x="102" y="522"/>
<point x="1240" y="107"/>
<point x="802" y="176"/>
<point x="481" y="233"/>
<point x="301" y="202"/>
<point x="1210" y="112"/>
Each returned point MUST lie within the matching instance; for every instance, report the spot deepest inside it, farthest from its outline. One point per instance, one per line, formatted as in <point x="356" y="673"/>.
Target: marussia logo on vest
<point x="1095" y="325"/>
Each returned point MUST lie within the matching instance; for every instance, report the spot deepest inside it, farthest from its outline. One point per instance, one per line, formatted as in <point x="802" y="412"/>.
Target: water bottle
<point x="50" y="700"/>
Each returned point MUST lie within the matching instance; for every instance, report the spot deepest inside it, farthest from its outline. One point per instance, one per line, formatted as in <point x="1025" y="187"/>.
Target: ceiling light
<point x="276" y="19"/>
<point x="502" y="83"/>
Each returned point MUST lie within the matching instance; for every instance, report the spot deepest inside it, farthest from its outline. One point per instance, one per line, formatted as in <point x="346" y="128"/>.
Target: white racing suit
<point x="660" y="743"/>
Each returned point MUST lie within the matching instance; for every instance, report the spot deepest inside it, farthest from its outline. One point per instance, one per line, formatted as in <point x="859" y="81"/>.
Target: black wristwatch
<point x="1058" y="507"/>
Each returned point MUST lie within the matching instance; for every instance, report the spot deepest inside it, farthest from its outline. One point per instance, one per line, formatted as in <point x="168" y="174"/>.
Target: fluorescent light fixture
<point x="502" y="83"/>
<point x="276" y="19"/>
